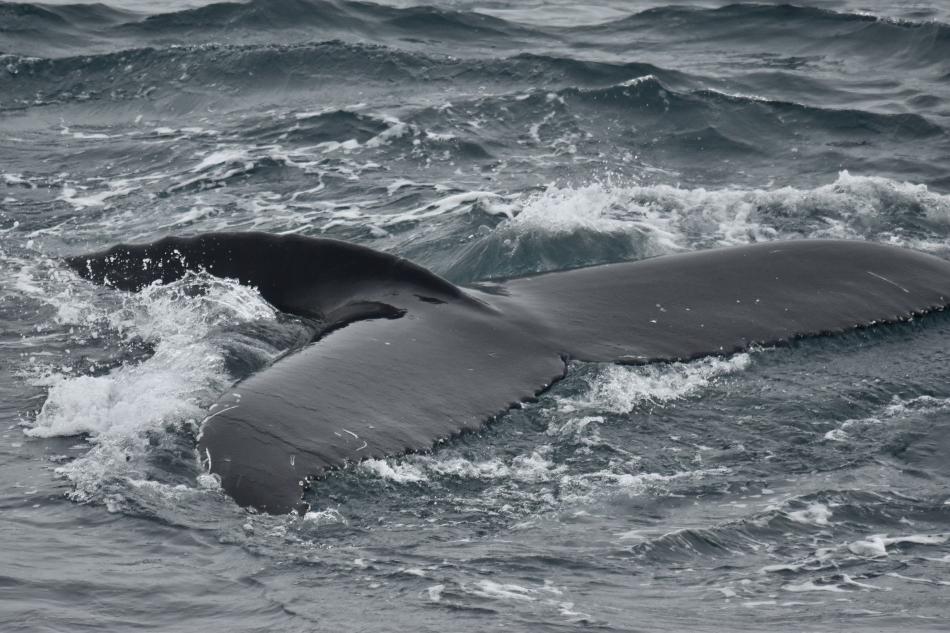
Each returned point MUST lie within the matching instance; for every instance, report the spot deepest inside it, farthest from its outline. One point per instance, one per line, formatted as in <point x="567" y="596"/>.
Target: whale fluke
<point x="404" y="359"/>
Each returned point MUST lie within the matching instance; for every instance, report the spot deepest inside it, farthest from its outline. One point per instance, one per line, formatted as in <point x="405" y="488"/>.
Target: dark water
<point x="802" y="488"/>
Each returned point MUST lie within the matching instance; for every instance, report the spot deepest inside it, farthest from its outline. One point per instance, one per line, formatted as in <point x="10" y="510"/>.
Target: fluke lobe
<point x="404" y="359"/>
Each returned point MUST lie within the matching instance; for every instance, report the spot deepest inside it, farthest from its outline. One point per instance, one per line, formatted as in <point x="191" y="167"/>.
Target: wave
<point x="905" y="124"/>
<point x="57" y="29"/>
<point x="711" y="18"/>
<point x="369" y="18"/>
<point x="241" y="70"/>
<point x="93" y="28"/>
<point x="707" y="118"/>
<point x="762" y="30"/>
<point x="649" y="93"/>
<point x="149" y="72"/>
<point x="675" y="112"/>
<point x="585" y="72"/>
<point x="324" y="126"/>
<point x="563" y="227"/>
<point x="788" y="26"/>
<point x="781" y="17"/>
<point x="25" y="17"/>
<point x="434" y="21"/>
<point x="849" y="514"/>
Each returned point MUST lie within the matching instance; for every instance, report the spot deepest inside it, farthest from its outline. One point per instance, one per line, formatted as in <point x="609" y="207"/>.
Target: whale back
<point x="319" y="278"/>
<point x="726" y="300"/>
<point x="445" y="360"/>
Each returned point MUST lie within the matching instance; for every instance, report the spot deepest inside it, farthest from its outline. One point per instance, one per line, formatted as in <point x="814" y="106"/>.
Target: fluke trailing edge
<point x="421" y="360"/>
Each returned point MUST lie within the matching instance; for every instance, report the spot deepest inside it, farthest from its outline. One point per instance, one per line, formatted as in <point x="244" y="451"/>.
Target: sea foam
<point x="121" y="411"/>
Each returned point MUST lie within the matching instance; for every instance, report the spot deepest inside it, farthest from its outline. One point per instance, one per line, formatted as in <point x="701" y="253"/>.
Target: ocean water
<point x="802" y="488"/>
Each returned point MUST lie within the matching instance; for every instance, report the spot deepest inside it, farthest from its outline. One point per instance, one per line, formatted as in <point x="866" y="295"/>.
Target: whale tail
<point x="447" y="359"/>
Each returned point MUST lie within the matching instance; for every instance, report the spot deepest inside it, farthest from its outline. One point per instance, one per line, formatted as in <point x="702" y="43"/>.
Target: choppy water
<point x="802" y="488"/>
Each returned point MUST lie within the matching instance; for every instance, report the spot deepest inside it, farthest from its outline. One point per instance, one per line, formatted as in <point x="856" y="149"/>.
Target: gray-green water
<point x="801" y="488"/>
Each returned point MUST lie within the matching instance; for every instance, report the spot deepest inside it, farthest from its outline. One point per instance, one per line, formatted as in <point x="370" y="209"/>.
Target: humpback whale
<point x="403" y="359"/>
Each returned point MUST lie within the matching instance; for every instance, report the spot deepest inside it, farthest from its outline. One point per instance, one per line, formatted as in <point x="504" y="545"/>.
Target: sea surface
<point x="799" y="488"/>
